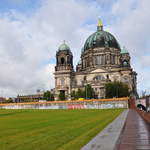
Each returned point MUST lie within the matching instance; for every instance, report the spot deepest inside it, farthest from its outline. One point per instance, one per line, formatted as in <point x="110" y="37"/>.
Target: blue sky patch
<point x="24" y="6"/>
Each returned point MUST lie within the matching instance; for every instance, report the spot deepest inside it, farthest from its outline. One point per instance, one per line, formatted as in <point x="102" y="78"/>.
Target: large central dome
<point x="101" y="38"/>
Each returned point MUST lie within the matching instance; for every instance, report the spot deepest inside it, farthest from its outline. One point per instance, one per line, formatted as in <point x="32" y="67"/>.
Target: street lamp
<point x="86" y="91"/>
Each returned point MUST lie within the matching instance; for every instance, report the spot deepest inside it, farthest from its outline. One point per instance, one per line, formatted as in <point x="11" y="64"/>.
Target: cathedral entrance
<point x="62" y="95"/>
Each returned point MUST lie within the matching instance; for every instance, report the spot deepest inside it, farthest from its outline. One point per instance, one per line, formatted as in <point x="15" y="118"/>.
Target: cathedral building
<point x="102" y="61"/>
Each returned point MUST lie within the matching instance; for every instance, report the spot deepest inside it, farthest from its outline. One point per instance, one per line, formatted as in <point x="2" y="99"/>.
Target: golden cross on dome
<point x="100" y="24"/>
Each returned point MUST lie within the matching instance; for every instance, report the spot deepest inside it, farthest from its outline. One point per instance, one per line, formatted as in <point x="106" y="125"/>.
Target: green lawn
<point x="51" y="129"/>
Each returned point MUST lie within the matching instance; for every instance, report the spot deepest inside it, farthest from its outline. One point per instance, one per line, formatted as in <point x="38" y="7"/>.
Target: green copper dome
<point x="124" y="51"/>
<point x="101" y="38"/>
<point x="64" y="47"/>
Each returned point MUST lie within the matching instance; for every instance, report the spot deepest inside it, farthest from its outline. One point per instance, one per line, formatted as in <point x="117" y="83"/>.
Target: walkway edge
<point x="107" y="138"/>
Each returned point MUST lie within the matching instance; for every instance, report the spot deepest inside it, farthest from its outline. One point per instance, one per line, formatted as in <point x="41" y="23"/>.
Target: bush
<point x="86" y="93"/>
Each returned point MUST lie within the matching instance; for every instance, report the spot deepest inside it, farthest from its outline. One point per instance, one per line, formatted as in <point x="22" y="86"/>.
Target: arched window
<point x="62" y="60"/>
<point x="62" y="81"/>
<point x="96" y="60"/>
<point x="99" y="60"/>
<point x="125" y="63"/>
<point x="112" y="59"/>
<point x="107" y="76"/>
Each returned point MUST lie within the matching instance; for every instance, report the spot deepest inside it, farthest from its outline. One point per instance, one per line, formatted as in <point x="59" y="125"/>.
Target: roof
<point x="101" y="38"/>
<point x="63" y="47"/>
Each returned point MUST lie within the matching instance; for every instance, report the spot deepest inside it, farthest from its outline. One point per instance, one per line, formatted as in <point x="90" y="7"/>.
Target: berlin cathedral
<point x="102" y="60"/>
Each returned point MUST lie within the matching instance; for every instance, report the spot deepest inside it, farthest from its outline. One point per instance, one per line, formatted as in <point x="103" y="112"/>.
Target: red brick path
<point x="135" y="134"/>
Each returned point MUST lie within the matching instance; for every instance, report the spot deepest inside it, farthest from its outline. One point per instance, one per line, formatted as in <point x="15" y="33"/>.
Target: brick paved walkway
<point x="135" y="134"/>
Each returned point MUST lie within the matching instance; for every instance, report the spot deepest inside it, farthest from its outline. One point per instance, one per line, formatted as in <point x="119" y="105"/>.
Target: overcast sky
<point x="32" y="30"/>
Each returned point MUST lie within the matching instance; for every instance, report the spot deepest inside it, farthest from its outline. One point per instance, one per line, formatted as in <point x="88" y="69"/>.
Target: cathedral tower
<point x="63" y="71"/>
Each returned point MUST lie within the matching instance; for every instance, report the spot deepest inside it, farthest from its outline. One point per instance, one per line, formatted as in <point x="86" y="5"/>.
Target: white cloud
<point x="132" y="28"/>
<point x="29" y="43"/>
<point x="145" y="61"/>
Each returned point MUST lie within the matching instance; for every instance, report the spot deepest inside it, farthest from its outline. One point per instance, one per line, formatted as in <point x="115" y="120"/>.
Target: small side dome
<point x="124" y="51"/>
<point x="64" y="47"/>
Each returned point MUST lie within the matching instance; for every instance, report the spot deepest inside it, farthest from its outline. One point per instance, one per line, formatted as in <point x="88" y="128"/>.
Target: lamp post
<point x="86" y="90"/>
<point x="117" y="92"/>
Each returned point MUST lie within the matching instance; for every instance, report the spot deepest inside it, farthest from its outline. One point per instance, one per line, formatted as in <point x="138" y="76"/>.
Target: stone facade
<point x="102" y="61"/>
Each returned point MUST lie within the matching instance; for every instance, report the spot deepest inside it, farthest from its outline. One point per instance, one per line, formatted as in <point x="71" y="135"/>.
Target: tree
<point x="77" y="94"/>
<point x="48" y="96"/>
<point x="89" y="92"/>
<point x="73" y="95"/>
<point x="80" y="93"/>
<point x="10" y="100"/>
<point x="86" y="93"/>
<point x="116" y="89"/>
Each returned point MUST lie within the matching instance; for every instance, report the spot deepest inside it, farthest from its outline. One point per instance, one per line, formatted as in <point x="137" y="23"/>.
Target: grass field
<point x="51" y="129"/>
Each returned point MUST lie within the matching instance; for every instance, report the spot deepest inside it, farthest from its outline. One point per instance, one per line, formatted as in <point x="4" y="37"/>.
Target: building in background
<point x="102" y="61"/>
<point x="2" y="99"/>
<point x="29" y="98"/>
